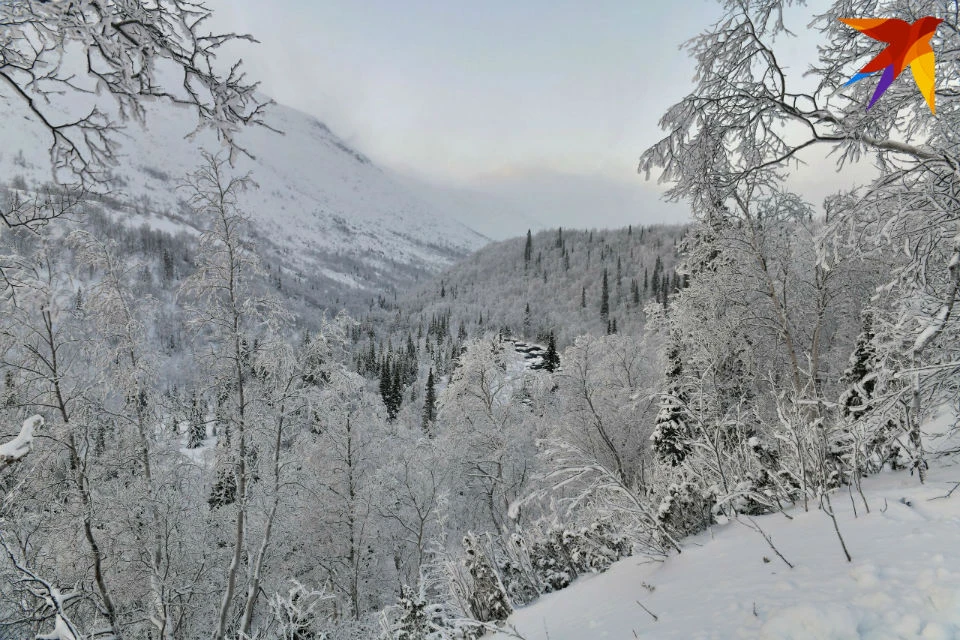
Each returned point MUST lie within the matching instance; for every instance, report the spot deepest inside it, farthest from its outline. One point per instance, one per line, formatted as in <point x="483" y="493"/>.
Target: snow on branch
<point x="54" y="601"/>
<point x="939" y="322"/>
<point x="17" y="449"/>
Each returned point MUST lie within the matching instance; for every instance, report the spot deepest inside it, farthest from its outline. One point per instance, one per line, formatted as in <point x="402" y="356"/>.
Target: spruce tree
<point x="604" y="298"/>
<point x="429" y="403"/>
<point x="396" y="390"/>
<point x="671" y="433"/>
<point x="655" y="278"/>
<point x="860" y="377"/>
<point x="9" y="390"/>
<point x="551" y="360"/>
<point x="861" y="384"/>
<point x="167" y="267"/>
<point x="619" y="276"/>
<point x="386" y="385"/>
<point x="198" y="428"/>
<point x="528" y="249"/>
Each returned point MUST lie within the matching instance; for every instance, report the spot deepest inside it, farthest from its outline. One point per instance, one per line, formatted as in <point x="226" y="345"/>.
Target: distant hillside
<point x="325" y="215"/>
<point x="557" y="274"/>
<point x="561" y="282"/>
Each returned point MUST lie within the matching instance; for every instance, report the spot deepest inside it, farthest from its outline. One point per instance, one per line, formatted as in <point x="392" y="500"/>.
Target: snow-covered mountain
<point x="324" y="212"/>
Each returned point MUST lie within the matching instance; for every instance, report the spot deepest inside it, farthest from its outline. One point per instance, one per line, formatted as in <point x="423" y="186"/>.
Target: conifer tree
<point x="552" y="359"/>
<point x="604" y="298"/>
<point x="655" y="276"/>
<point x="671" y="432"/>
<point x="167" y="266"/>
<point x="198" y="428"/>
<point x="528" y="249"/>
<point x="386" y="385"/>
<point x="619" y="276"/>
<point x="430" y="402"/>
<point x="396" y="390"/>
<point x="862" y="384"/>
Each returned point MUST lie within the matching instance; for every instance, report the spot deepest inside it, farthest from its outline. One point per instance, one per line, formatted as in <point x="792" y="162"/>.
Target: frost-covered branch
<point x="18" y="448"/>
<point x="128" y="51"/>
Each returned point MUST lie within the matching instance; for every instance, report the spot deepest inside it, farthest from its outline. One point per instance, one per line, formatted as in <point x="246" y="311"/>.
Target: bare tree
<point x="226" y="310"/>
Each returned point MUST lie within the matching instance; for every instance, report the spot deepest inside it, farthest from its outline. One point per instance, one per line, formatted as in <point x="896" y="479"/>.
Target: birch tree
<point x="748" y="121"/>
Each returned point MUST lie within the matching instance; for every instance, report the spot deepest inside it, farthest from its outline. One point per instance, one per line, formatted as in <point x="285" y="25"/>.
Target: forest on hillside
<point x="190" y="448"/>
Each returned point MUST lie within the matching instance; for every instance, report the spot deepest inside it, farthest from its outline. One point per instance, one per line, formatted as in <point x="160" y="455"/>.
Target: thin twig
<point x="652" y="614"/>
<point x="947" y="494"/>
<point x="766" y="537"/>
<point x="828" y="509"/>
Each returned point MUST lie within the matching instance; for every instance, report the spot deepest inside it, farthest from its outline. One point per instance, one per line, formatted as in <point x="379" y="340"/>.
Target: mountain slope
<point x="323" y="211"/>
<point x="560" y="283"/>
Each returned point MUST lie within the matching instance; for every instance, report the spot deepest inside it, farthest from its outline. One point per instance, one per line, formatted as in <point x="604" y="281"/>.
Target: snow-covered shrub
<point x="517" y="572"/>
<point x="685" y="509"/>
<point x="552" y="560"/>
<point x="416" y="619"/>
<point x="296" y="613"/>
<point x="487" y="599"/>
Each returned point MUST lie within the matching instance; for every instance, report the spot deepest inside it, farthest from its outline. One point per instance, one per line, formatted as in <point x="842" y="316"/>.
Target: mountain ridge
<point x="322" y="210"/>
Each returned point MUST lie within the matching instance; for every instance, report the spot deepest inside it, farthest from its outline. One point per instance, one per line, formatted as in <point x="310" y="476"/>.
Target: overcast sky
<point x="543" y="102"/>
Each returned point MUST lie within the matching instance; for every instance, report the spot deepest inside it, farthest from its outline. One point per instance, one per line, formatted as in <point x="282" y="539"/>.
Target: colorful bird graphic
<point x="907" y="44"/>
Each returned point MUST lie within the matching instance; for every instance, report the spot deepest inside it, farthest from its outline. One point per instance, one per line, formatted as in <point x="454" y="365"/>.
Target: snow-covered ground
<point x="903" y="582"/>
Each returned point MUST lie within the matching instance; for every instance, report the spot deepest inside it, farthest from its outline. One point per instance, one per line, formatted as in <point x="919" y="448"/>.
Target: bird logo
<point x="906" y="44"/>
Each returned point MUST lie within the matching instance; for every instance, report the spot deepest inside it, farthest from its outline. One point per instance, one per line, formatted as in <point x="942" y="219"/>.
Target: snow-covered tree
<point x="429" y="402"/>
<point x="731" y="142"/>
<point x="671" y="435"/>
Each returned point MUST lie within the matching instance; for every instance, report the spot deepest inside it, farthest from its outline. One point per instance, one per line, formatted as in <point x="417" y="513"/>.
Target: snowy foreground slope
<point x="322" y="210"/>
<point x="903" y="582"/>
